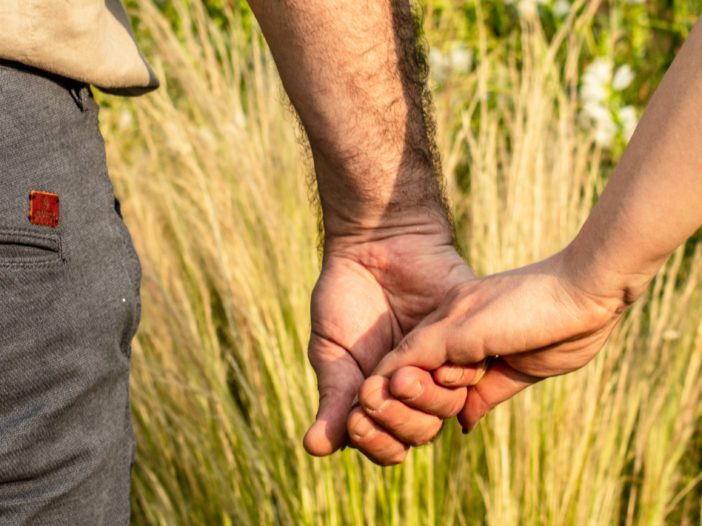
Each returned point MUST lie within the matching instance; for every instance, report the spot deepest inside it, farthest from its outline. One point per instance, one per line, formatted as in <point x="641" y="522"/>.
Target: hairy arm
<point x="353" y="74"/>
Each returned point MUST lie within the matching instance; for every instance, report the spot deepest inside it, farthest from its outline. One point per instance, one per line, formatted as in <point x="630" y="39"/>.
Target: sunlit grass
<point x="214" y="182"/>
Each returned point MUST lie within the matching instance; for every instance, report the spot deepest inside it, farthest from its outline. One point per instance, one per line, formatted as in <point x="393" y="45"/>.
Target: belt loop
<point x="80" y="94"/>
<point x="85" y="96"/>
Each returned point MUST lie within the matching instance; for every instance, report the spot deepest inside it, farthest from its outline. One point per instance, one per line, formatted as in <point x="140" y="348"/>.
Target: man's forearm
<point x="654" y="200"/>
<point x="352" y="71"/>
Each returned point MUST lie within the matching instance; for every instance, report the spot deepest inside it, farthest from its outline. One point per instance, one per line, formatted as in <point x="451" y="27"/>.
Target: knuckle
<point x="356" y="426"/>
<point x="373" y="394"/>
<point x="401" y="378"/>
<point x="459" y="296"/>
<point x="406" y="383"/>
<point x="466" y="342"/>
<point x="370" y="386"/>
<point x="456" y="292"/>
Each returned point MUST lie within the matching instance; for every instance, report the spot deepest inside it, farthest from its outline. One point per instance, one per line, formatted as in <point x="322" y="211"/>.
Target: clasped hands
<point x="401" y="329"/>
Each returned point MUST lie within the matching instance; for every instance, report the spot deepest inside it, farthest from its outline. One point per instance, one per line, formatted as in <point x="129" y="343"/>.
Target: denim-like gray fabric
<point x="69" y="307"/>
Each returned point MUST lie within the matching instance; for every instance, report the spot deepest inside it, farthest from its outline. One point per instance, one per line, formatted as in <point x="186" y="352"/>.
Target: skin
<point x="352" y="74"/>
<point x="553" y="317"/>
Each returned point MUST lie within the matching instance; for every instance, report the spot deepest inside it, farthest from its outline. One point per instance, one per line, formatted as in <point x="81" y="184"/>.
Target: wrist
<point x="384" y="195"/>
<point x="394" y="244"/>
<point x="376" y="226"/>
<point x="593" y="271"/>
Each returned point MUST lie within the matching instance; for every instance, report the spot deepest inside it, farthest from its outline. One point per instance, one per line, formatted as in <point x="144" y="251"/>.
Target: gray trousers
<point x="69" y="307"/>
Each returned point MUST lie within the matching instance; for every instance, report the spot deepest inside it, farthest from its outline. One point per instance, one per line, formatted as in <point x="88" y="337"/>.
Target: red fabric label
<point x="43" y="208"/>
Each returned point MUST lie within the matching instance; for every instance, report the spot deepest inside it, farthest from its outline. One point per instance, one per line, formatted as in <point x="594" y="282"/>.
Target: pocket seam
<point x="27" y="262"/>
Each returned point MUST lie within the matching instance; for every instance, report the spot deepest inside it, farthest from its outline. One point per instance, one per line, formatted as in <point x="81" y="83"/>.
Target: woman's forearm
<point x="653" y="201"/>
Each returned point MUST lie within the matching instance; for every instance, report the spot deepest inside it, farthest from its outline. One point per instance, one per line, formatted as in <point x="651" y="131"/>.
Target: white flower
<point x="600" y="119"/>
<point x="561" y="7"/>
<point x="623" y="78"/>
<point x="605" y="131"/>
<point x="600" y="70"/>
<point x="629" y="120"/>
<point x="438" y="64"/>
<point x="461" y="58"/>
<point x="593" y="92"/>
<point x="596" y="79"/>
<point x="596" y="112"/>
<point x="436" y="58"/>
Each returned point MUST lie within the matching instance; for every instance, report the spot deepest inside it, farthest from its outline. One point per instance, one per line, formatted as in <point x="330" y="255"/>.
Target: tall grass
<point x="214" y="182"/>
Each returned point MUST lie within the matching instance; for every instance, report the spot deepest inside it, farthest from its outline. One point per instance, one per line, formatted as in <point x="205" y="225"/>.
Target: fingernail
<point x="376" y="401"/>
<point x="363" y="428"/>
<point x="416" y="390"/>
<point x="412" y="392"/>
<point x="453" y="375"/>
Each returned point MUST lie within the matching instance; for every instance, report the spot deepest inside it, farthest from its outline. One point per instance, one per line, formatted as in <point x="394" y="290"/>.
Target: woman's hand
<point x="536" y="319"/>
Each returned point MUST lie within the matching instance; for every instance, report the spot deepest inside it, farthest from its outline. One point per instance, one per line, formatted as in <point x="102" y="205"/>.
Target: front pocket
<point x="21" y="248"/>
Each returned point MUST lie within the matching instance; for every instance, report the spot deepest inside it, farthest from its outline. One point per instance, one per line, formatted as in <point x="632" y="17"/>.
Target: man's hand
<point x="536" y="319"/>
<point x="357" y="79"/>
<point x="371" y="292"/>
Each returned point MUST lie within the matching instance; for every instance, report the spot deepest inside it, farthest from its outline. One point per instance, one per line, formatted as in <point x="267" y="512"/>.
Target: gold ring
<point x="484" y="366"/>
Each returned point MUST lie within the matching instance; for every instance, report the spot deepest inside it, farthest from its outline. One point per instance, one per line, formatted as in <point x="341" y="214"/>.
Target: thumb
<point x="338" y="379"/>
<point x="424" y="347"/>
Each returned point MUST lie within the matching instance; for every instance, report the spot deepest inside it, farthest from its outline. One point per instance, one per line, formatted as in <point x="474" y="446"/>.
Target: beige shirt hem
<point x="87" y="40"/>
